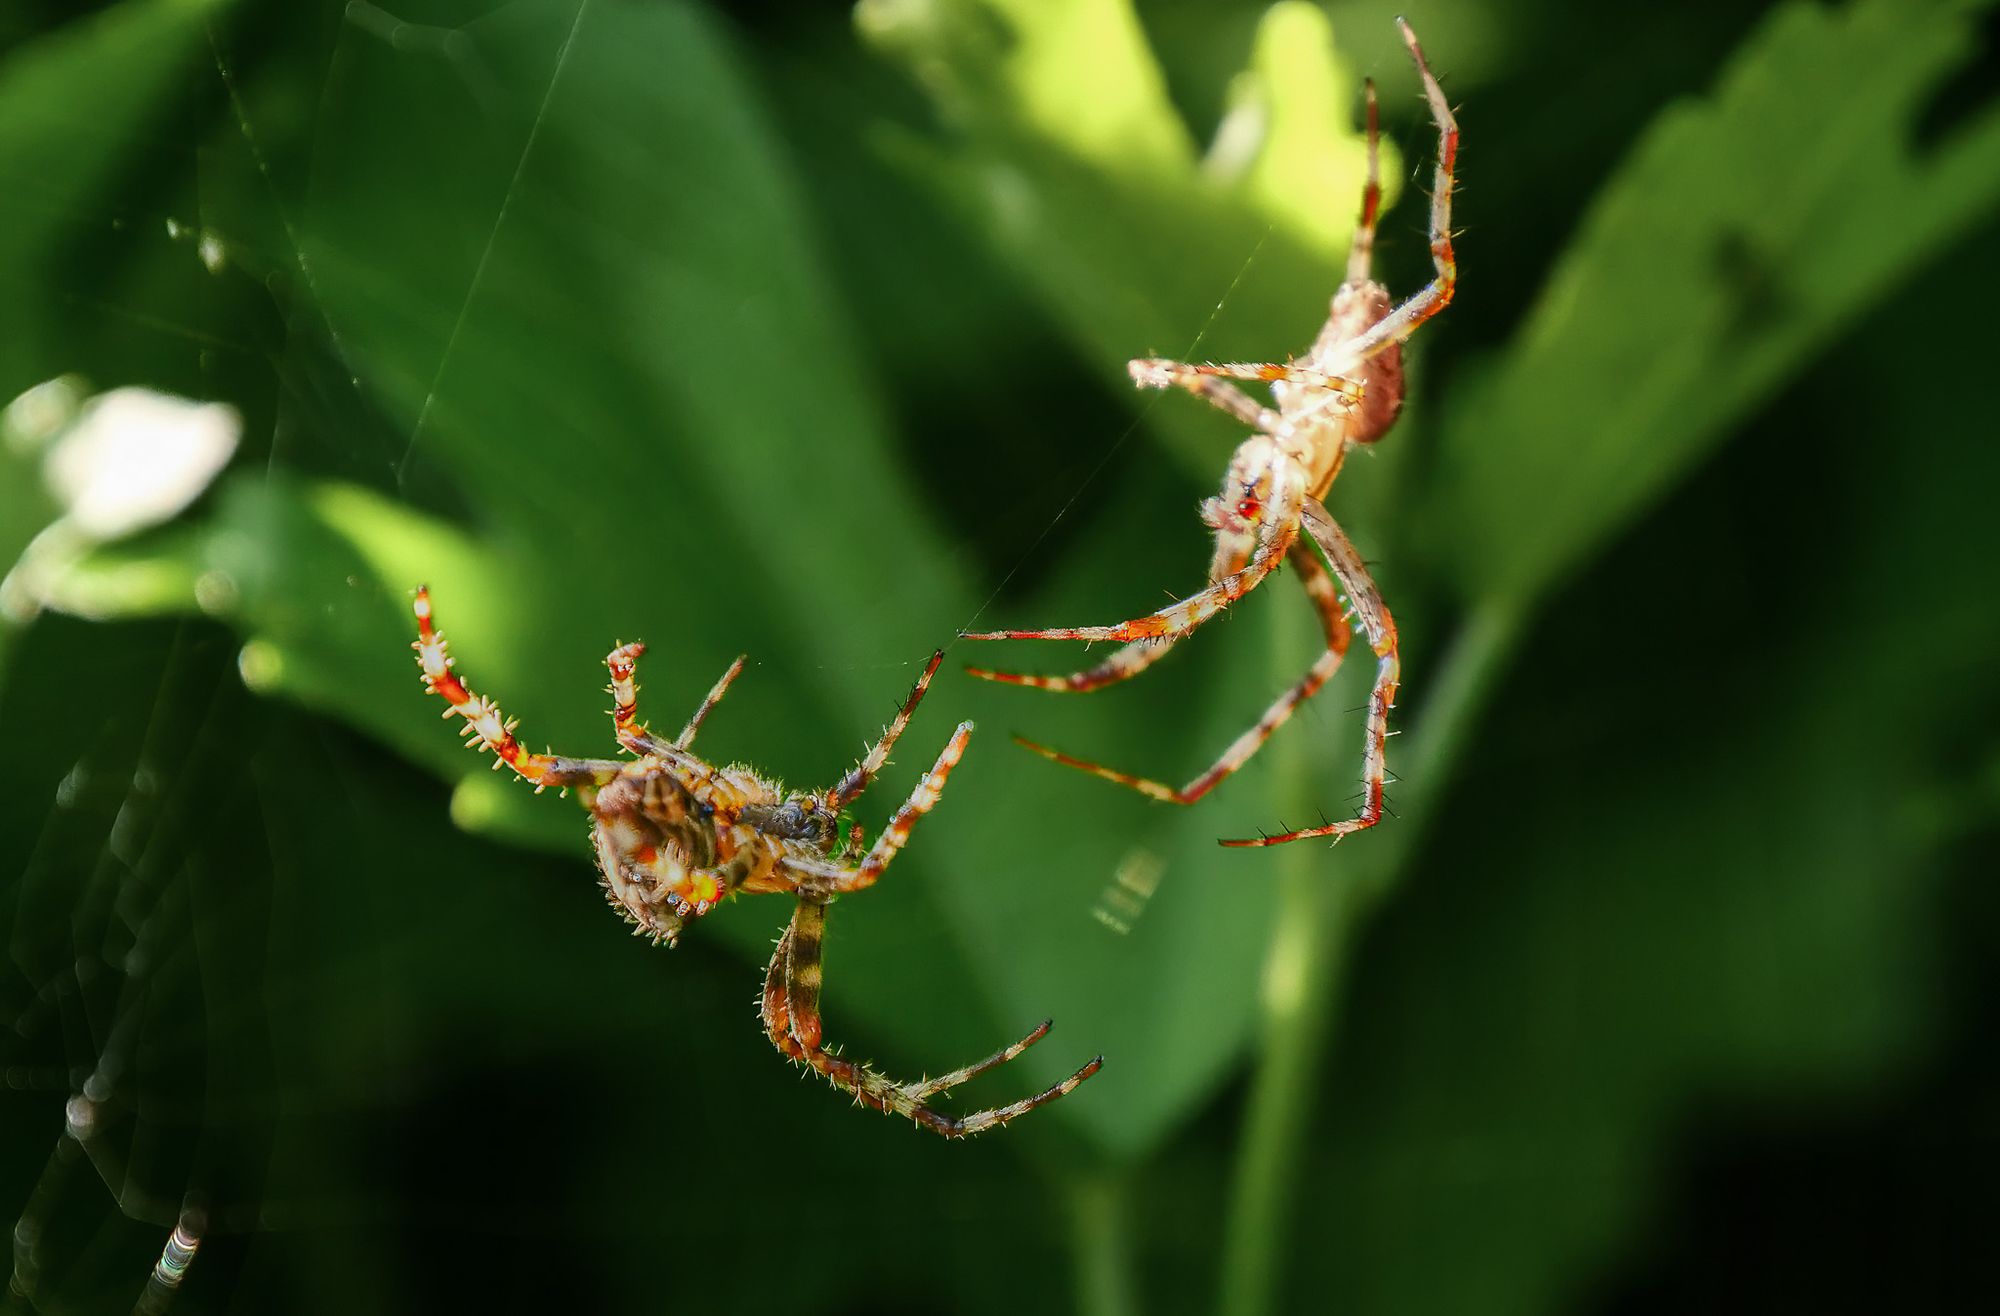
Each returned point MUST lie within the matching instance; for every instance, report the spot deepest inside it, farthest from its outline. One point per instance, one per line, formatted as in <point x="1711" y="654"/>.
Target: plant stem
<point x="1318" y="918"/>
<point x="1103" y="1244"/>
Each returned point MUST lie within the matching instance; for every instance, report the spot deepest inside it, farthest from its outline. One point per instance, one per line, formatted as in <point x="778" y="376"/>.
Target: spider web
<point x="158" y="1111"/>
<point x="175" y="912"/>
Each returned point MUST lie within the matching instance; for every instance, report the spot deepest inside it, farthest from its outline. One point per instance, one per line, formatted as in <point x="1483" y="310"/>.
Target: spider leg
<point x="1127" y="662"/>
<point x="484" y="722"/>
<point x="633" y="735"/>
<point x="1326" y="600"/>
<point x="823" y="880"/>
<point x="1436" y="295"/>
<point x="872" y="762"/>
<point x="1361" y="253"/>
<point x="1374" y="617"/>
<point x="1179" y="618"/>
<point x="1124" y="664"/>
<point x="1202" y="381"/>
<point x="791" y="1017"/>
<point x="1198" y="378"/>
<point x="708" y="703"/>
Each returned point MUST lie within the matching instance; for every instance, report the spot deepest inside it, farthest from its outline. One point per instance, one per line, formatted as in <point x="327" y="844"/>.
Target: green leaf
<point x="1135" y="246"/>
<point x="605" y="332"/>
<point x="1742" y="234"/>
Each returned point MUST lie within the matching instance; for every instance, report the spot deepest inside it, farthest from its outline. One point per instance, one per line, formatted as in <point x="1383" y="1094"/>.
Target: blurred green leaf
<point x="1133" y="244"/>
<point x="1743" y="232"/>
<point x="74" y="108"/>
<point x="675" y="440"/>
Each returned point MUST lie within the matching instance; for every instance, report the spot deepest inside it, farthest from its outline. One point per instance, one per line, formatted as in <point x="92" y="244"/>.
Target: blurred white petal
<point x="136" y="457"/>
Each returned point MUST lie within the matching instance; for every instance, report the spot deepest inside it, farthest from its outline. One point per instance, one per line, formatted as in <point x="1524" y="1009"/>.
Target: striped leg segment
<point x="1175" y="620"/>
<point x="1122" y="665"/>
<point x="1197" y="378"/>
<point x="1437" y="294"/>
<point x="1125" y="663"/>
<point x="708" y="703"/>
<point x="1374" y="617"/>
<point x="632" y="734"/>
<point x="791" y="1017"/>
<point x="485" y="725"/>
<point x="1150" y="372"/>
<point x="1326" y="600"/>
<point x="823" y="879"/>
<point x="874" y="760"/>
<point x="1361" y="254"/>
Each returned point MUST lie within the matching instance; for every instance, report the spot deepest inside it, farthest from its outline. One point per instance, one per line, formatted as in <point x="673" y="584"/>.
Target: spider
<point x="1346" y="390"/>
<point x="676" y="835"/>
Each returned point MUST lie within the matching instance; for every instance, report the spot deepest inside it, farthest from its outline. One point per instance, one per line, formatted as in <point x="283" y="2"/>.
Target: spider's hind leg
<point x="791" y="1018"/>
<point x="1373" y="614"/>
<point x="1326" y="601"/>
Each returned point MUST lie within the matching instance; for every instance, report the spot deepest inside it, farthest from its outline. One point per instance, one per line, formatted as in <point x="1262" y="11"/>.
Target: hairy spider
<point x="1346" y="390"/>
<point x="676" y="835"/>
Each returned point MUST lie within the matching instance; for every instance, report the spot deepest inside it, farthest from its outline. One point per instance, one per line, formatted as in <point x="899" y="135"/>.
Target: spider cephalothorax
<point x="1346" y="390"/>
<point x="676" y="835"/>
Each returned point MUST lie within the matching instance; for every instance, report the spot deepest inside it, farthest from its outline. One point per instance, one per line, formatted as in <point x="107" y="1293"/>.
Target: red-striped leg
<point x="824" y="879"/>
<point x="1437" y="294"/>
<point x="1231" y="556"/>
<point x="708" y="703"/>
<point x="1198" y="377"/>
<point x="792" y="1019"/>
<point x="1176" y="619"/>
<point x="485" y="725"/>
<point x="1361" y="252"/>
<point x="877" y="757"/>
<point x="1123" y="664"/>
<point x="1380" y="627"/>
<point x="633" y="735"/>
<point x="1326" y="600"/>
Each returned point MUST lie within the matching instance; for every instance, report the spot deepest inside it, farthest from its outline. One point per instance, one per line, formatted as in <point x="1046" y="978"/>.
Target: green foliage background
<point x="800" y="333"/>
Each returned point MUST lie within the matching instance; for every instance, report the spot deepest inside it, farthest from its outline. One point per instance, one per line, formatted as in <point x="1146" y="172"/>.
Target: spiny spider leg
<point x="791" y="1016"/>
<point x="1374" y="617"/>
<point x="1128" y="661"/>
<point x="623" y="662"/>
<point x="1197" y="379"/>
<point x="930" y="1087"/>
<point x="1123" y="664"/>
<point x="1151" y="372"/>
<point x="1437" y="294"/>
<point x="871" y="763"/>
<point x="1400" y="323"/>
<point x="825" y="879"/>
<point x="1325" y="597"/>
<point x="1218" y="393"/>
<point x="1175" y="620"/>
<point x="484" y="722"/>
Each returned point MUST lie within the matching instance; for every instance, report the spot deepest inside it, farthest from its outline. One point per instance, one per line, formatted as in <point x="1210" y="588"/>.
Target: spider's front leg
<point x="822" y="879"/>
<point x="792" y="1020"/>
<point x="488" y="727"/>
<point x="1170" y="622"/>
<point x="632" y="734"/>
<point x="851" y="786"/>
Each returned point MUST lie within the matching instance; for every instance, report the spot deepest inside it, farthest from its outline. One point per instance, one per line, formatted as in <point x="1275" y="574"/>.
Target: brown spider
<point x="676" y="835"/>
<point x="1347" y="389"/>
